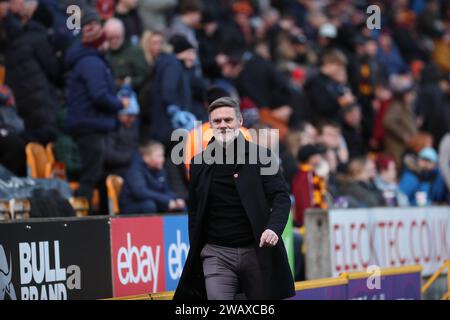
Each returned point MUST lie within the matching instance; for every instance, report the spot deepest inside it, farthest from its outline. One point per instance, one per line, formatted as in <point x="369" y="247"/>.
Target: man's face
<point x="335" y="71"/>
<point x="154" y="45"/>
<point x="370" y="169"/>
<point x="225" y="124"/>
<point x="231" y="70"/>
<point x="371" y="48"/>
<point x="188" y="57"/>
<point x="155" y="159"/>
<point x="315" y="160"/>
<point x="353" y="117"/>
<point x="4" y="7"/>
<point x="115" y="36"/>
<point x="127" y="120"/>
<point x="242" y="19"/>
<point x="309" y="135"/>
<point x="330" y="137"/>
<point x="17" y="7"/>
<point x="385" y="41"/>
<point x="425" y="165"/>
<point x="390" y="173"/>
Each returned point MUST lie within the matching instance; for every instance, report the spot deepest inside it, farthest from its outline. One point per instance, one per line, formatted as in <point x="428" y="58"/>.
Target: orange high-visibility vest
<point x="201" y="136"/>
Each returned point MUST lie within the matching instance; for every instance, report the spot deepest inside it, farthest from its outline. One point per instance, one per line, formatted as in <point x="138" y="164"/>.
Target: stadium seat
<point x="20" y="209"/>
<point x="38" y="164"/>
<point x="5" y="213"/>
<point x="80" y="205"/>
<point x="57" y="169"/>
<point x="114" y="185"/>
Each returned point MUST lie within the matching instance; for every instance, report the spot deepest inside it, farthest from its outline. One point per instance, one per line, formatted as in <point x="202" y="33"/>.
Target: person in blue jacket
<point x="92" y="105"/>
<point x="145" y="188"/>
<point x="423" y="175"/>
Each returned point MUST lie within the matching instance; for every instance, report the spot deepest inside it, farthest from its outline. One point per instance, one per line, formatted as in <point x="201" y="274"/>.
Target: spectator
<point x="209" y="43"/>
<point x="386" y="182"/>
<point x="441" y="51"/>
<point x="308" y="187"/>
<point x="430" y="97"/>
<point x="145" y="187"/>
<point x="122" y="144"/>
<point x="330" y="136"/>
<point x="238" y="32"/>
<point x="359" y="186"/>
<point x="32" y="70"/>
<point x="400" y="124"/>
<point x="154" y="13"/>
<point x="433" y="103"/>
<point x="299" y="136"/>
<point x="369" y="73"/>
<point x="172" y="82"/>
<point x="260" y="81"/>
<point x="126" y="60"/>
<point x="389" y="55"/>
<point x="185" y="23"/>
<point x="152" y="44"/>
<point x="428" y="22"/>
<point x="352" y="131"/>
<point x="12" y="142"/>
<point x="327" y="91"/>
<point x="105" y="8"/>
<point x="444" y="159"/>
<point x="126" y="12"/>
<point x="411" y="46"/>
<point x="381" y="104"/>
<point x="91" y="103"/>
<point x="421" y="179"/>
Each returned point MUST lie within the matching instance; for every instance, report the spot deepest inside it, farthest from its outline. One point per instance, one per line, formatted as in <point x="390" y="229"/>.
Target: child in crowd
<point x="145" y="187"/>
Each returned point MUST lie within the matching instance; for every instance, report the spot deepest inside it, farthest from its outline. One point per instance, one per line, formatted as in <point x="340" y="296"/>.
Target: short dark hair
<point x="188" y="6"/>
<point x="333" y="56"/>
<point x="308" y="151"/>
<point x="149" y="147"/>
<point x="327" y="123"/>
<point x="225" y="102"/>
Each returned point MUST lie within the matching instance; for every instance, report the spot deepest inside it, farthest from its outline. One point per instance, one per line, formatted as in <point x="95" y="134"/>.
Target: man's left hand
<point x="268" y="239"/>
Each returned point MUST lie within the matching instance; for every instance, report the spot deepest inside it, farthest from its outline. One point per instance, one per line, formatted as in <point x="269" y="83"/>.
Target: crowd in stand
<point x="363" y="115"/>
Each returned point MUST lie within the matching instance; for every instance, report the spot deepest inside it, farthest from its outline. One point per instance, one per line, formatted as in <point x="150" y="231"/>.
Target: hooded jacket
<point x="91" y="100"/>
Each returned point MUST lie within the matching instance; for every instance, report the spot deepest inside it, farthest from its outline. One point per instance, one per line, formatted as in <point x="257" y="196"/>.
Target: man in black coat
<point x="32" y="71"/>
<point x="238" y="208"/>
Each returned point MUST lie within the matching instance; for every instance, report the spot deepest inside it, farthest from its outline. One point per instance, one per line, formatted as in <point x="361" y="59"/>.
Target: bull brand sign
<point x="55" y="260"/>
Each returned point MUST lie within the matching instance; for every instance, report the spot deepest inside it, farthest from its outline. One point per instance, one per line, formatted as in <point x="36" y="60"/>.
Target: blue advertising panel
<point x="392" y="287"/>
<point x="176" y="244"/>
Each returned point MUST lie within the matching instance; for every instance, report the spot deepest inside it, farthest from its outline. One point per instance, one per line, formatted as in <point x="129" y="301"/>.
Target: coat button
<point x="235" y="175"/>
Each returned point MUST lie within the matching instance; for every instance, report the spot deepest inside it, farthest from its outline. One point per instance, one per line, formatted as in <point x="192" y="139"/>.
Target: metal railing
<point x="445" y="265"/>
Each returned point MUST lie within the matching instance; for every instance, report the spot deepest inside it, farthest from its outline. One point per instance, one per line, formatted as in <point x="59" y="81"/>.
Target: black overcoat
<point x="266" y="201"/>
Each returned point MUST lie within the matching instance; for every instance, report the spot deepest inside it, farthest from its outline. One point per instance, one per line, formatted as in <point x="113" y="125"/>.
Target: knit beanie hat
<point x="92" y="33"/>
<point x="180" y="43"/>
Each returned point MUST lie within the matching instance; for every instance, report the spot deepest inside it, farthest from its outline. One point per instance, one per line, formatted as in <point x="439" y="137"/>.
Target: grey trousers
<point x="227" y="271"/>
